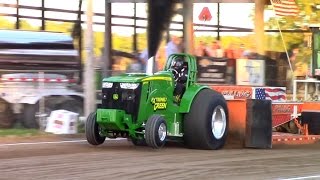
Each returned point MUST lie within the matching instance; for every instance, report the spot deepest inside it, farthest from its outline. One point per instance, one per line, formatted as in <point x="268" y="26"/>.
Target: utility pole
<point x="89" y="80"/>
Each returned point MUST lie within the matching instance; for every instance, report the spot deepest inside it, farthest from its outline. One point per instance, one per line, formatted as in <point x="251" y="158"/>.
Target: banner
<point x="212" y="70"/>
<point x="275" y="94"/>
<point x="234" y="92"/>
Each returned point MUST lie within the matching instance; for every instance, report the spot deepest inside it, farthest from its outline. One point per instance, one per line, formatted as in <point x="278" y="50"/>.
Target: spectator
<point x="202" y="49"/>
<point x="290" y="75"/>
<point x="239" y="52"/>
<point x="215" y="50"/>
<point x="230" y="52"/>
<point x="174" y="46"/>
<point x="116" y="65"/>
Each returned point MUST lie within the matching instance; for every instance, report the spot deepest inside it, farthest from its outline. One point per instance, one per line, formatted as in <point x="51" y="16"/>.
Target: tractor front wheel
<point x="206" y="125"/>
<point x="156" y="131"/>
<point x="93" y="131"/>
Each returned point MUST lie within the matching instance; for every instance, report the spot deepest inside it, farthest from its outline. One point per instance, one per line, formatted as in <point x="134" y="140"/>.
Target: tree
<point x="308" y="15"/>
<point x="6" y="24"/>
<point x="25" y="25"/>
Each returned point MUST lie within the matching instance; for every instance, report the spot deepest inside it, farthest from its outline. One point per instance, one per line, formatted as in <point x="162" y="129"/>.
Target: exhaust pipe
<point x="160" y="13"/>
<point x="150" y="66"/>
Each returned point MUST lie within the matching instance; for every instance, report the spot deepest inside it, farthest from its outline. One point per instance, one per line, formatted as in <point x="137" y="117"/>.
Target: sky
<point x="232" y="14"/>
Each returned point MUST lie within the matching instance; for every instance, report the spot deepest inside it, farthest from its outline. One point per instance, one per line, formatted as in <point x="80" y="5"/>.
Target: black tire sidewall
<point x="92" y="130"/>
<point x="152" y="134"/>
<point x="29" y="119"/>
<point x="7" y="118"/>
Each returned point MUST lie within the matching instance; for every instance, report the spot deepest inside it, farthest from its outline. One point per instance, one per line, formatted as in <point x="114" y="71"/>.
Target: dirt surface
<point x="121" y="160"/>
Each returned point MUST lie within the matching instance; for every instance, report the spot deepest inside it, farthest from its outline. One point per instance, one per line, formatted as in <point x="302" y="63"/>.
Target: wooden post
<point x="18" y="16"/>
<point x="188" y="26"/>
<point x="135" y="41"/>
<point x="259" y="26"/>
<point x="107" y="62"/>
<point x="218" y="21"/>
<point x="89" y="84"/>
<point x="43" y="22"/>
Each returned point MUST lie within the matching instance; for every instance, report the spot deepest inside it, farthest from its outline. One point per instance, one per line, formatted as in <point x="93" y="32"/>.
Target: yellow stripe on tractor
<point x="157" y="78"/>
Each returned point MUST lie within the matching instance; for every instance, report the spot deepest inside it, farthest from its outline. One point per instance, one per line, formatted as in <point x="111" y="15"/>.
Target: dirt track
<point x="121" y="160"/>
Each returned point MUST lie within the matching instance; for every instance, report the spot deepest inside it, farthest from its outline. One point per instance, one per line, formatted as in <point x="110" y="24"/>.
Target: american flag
<point x="285" y="7"/>
<point x="276" y="94"/>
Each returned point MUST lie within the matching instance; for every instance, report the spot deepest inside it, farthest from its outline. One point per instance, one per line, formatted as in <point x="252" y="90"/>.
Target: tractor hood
<point x="140" y="77"/>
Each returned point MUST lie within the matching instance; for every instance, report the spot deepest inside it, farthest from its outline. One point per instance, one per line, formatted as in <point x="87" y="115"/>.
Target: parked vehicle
<point x="40" y="72"/>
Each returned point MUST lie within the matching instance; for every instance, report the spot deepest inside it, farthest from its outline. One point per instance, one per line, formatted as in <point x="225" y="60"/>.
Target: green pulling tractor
<point x="165" y="106"/>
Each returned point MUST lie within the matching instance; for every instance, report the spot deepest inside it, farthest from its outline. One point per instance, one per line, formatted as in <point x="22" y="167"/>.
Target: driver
<point x="180" y="71"/>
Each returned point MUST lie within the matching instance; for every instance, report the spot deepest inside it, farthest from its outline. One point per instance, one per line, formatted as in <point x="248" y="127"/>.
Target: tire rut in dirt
<point x="197" y="124"/>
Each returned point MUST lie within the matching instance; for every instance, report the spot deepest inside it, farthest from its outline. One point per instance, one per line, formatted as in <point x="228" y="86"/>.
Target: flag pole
<point x="284" y="44"/>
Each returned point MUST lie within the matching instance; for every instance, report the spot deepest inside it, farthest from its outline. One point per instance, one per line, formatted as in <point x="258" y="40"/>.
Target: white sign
<point x="250" y="72"/>
<point x="62" y="122"/>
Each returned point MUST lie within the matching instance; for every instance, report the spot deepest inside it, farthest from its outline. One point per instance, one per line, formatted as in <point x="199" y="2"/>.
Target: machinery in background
<point x="40" y="72"/>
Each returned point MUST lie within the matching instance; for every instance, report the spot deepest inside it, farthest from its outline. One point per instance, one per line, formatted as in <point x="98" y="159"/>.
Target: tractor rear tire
<point x="92" y="130"/>
<point x="156" y="131"/>
<point x="206" y="125"/>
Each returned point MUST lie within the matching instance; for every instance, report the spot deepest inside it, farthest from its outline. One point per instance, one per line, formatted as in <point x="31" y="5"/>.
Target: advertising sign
<point x="234" y="92"/>
<point x="212" y="70"/>
<point x="250" y="72"/>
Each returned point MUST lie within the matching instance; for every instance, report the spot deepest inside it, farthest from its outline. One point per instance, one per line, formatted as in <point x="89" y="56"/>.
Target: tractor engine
<point x="122" y="96"/>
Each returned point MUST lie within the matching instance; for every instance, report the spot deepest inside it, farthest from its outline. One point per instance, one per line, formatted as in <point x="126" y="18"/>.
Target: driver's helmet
<point x="177" y="63"/>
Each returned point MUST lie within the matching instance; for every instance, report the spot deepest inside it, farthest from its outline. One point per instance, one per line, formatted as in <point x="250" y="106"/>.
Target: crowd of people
<point x="215" y="49"/>
<point x="139" y="64"/>
<point x="175" y="45"/>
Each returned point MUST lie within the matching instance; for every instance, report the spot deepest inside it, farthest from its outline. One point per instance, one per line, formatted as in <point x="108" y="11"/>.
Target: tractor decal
<point x="115" y="96"/>
<point x="159" y="103"/>
<point x="157" y="78"/>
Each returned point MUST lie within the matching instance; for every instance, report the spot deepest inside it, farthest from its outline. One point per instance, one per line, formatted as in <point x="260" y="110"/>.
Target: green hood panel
<point x="140" y="77"/>
<point x="111" y="118"/>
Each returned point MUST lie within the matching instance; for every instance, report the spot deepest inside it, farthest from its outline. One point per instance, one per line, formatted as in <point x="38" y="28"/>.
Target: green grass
<point x="19" y="132"/>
